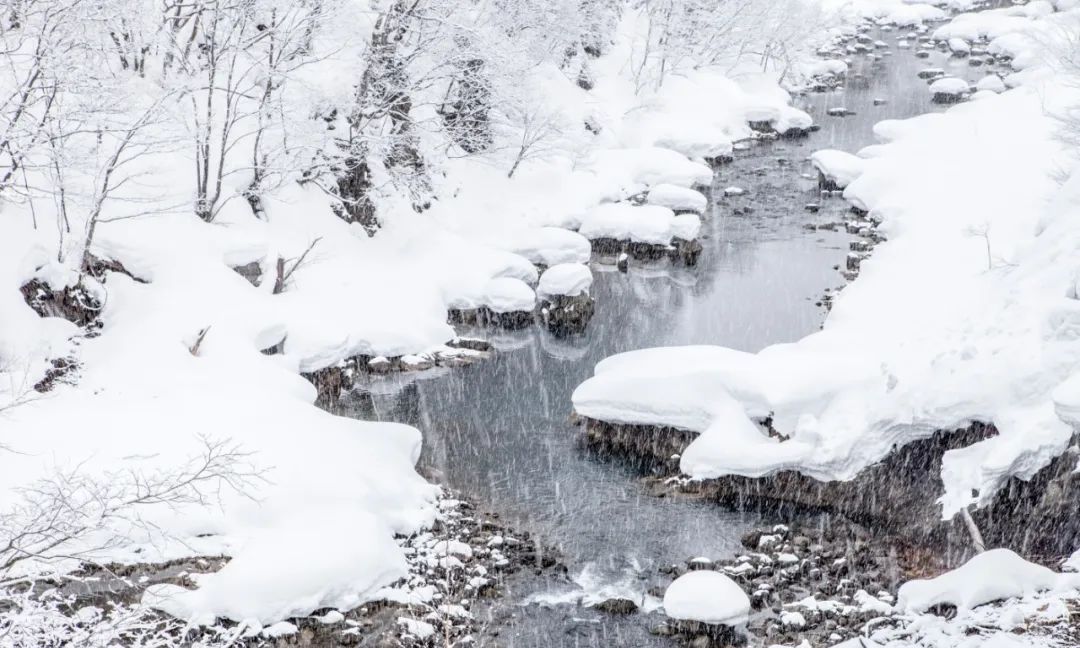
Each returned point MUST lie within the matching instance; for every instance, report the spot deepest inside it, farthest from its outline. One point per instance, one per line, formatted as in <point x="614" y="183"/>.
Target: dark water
<point x="498" y="430"/>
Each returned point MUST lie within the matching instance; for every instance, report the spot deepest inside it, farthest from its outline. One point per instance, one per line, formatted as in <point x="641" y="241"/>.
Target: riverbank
<point x="941" y="381"/>
<point x="457" y="566"/>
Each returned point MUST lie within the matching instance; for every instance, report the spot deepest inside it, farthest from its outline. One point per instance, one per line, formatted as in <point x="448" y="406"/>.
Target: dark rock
<point x="567" y="315"/>
<point x="616" y="606"/>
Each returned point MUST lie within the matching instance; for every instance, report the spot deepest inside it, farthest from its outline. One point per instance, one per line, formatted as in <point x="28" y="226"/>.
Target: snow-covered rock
<point x="569" y="279"/>
<point x="685" y="227"/>
<point x="626" y="221"/>
<point x="509" y="295"/>
<point x="949" y="90"/>
<point x="707" y="597"/>
<point x="959" y="46"/>
<point x="677" y="198"/>
<point x="552" y="245"/>
<point x="991" y="83"/>
<point x="838" y="167"/>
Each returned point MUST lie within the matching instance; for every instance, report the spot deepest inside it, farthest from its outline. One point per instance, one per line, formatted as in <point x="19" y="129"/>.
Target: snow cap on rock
<point x="570" y="279"/>
<point x="707" y="597"/>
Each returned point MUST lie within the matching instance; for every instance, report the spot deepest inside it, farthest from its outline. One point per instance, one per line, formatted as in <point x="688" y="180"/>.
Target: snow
<point x="570" y="279"/>
<point x="509" y="295"/>
<point x="959" y="46"/>
<point x="551" y="246"/>
<point x="826" y="67"/>
<point x="418" y="629"/>
<point x="892" y="12"/>
<point x="313" y="527"/>
<point x="308" y="566"/>
<point x="950" y="86"/>
<point x="677" y="198"/>
<point x="839" y="166"/>
<point x="626" y="221"/>
<point x="990" y="576"/>
<point x="685" y="227"/>
<point x="707" y="597"/>
<point x="647" y="166"/>
<point x="991" y="83"/>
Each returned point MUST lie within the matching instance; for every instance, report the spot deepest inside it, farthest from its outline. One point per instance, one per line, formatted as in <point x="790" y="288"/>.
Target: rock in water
<point x="616" y="606"/>
<point x="949" y="90"/>
<point x="565" y="304"/>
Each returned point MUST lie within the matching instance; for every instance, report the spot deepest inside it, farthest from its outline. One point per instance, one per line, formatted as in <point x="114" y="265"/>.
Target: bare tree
<point x="73" y="515"/>
<point x="538" y="130"/>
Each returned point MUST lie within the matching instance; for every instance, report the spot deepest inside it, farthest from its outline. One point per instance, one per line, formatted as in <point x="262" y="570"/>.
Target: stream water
<point x="498" y="431"/>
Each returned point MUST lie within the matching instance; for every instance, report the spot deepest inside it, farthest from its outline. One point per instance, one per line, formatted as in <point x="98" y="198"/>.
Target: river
<point x="499" y="431"/>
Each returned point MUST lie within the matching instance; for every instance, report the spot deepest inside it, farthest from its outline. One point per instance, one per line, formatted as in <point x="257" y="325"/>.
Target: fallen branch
<point x="973" y="530"/>
<point x="283" y="276"/>
<point x="198" y="341"/>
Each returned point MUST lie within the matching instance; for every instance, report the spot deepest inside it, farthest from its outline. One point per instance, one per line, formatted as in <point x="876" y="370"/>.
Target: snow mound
<point x="952" y="86"/>
<point x="707" y="597"/>
<point x="677" y="198"/>
<point x="551" y="246"/>
<point x="990" y="576"/>
<point x="570" y="279"/>
<point x="840" y="167"/>
<point x="509" y="295"/>
<point x="647" y="166"/>
<point x="791" y="120"/>
<point x="686" y="227"/>
<point x="626" y="221"/>
<point x="991" y="83"/>
<point x="338" y="572"/>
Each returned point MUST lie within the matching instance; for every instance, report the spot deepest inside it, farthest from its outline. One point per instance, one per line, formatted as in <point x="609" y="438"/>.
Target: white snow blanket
<point x="178" y="357"/>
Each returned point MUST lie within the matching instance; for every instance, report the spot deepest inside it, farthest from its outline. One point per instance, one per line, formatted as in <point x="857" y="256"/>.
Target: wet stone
<point x="616" y="606"/>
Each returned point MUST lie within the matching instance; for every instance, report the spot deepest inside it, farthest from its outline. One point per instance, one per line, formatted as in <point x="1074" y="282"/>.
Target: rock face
<point x="899" y="494"/>
<point x="330" y="382"/>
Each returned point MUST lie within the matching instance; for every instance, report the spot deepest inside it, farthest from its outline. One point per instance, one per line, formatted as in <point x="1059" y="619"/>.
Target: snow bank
<point x="889" y="12"/>
<point x="838" y="166"/>
<point x="304" y="568"/>
<point x="990" y="576"/>
<point x="990" y="83"/>
<point x="647" y="166"/>
<point x="707" y="597"/>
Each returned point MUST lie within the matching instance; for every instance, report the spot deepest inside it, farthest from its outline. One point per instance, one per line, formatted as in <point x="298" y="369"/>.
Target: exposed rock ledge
<point x="898" y="494"/>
